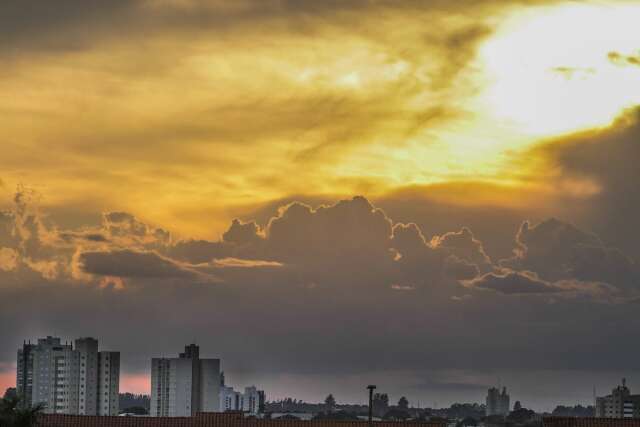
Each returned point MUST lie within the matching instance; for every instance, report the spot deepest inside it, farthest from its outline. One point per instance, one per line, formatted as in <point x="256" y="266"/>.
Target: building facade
<point x="619" y="404"/>
<point x="186" y="385"/>
<point x="497" y="402"/>
<point x="250" y="402"/>
<point x="253" y="400"/>
<point x="69" y="379"/>
<point x="230" y="400"/>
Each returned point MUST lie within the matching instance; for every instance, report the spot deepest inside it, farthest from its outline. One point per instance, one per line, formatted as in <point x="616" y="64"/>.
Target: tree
<point x="10" y="392"/>
<point x="517" y="406"/>
<point x="330" y="403"/>
<point x="13" y="414"/>
<point x="521" y="416"/>
<point x="403" y="403"/>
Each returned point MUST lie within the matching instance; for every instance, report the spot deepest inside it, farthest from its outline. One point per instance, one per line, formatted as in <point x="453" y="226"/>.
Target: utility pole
<point x="371" y="388"/>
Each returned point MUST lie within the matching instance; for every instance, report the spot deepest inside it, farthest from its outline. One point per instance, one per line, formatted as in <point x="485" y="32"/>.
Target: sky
<point x="433" y="196"/>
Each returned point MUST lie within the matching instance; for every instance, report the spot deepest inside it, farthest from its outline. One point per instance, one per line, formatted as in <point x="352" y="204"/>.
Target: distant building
<point x="68" y="380"/>
<point x="619" y="404"/>
<point x="185" y="385"/>
<point x="251" y="401"/>
<point x="497" y="402"/>
<point x="230" y="400"/>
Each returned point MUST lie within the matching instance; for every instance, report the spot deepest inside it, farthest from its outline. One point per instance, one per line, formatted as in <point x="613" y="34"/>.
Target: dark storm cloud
<point x="559" y="251"/>
<point x="342" y="276"/>
<point x="358" y="241"/>
<point x="607" y="158"/>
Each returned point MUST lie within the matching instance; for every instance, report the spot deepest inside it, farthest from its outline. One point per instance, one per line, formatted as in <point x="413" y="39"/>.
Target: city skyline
<point x="435" y="401"/>
<point x="433" y="196"/>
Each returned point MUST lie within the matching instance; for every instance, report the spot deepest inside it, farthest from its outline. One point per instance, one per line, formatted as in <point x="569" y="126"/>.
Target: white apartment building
<point x="185" y="385"/>
<point x="69" y="380"/>
<point x="251" y="401"/>
<point x="230" y="400"/>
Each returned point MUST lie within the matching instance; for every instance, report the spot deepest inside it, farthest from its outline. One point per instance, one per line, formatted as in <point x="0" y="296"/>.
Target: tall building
<point x="497" y="402"/>
<point x="185" y="385"/>
<point x="68" y="380"/>
<point x="24" y="374"/>
<point x="619" y="404"/>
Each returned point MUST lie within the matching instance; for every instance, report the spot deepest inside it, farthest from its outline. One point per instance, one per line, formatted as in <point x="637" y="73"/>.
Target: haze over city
<point x="436" y="197"/>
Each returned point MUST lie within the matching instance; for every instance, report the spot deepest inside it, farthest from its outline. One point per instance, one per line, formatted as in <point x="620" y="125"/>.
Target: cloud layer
<point x="343" y="276"/>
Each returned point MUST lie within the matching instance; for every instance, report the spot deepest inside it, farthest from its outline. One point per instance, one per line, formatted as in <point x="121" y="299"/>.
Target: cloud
<point x="336" y="275"/>
<point x="528" y="283"/>
<point x="620" y="59"/>
<point x="571" y="72"/>
<point x="556" y="250"/>
<point x="130" y="263"/>
<point x="513" y="282"/>
<point x="8" y="259"/>
<point x="122" y="225"/>
<point x="242" y="233"/>
<point x="588" y="157"/>
<point x="245" y="263"/>
<point x="465" y="246"/>
<point x="460" y="269"/>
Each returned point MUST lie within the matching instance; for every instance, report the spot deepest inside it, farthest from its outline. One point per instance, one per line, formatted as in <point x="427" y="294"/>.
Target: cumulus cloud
<point x="131" y="231"/>
<point x="242" y="233"/>
<point x="465" y="246"/>
<point x="556" y="250"/>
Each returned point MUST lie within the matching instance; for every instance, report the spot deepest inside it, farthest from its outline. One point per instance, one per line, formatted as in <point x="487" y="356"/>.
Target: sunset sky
<point x="435" y="196"/>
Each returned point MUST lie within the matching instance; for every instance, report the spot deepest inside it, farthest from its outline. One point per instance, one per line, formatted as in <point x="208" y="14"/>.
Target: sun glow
<point x="212" y="123"/>
<point x="551" y="70"/>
